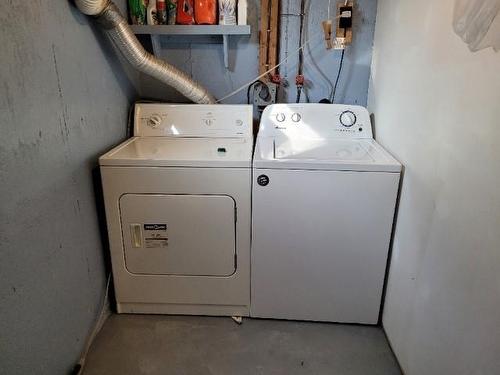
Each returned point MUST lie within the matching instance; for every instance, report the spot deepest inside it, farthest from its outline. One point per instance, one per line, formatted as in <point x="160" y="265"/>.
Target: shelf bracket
<point x="155" y="42"/>
<point x="225" y="46"/>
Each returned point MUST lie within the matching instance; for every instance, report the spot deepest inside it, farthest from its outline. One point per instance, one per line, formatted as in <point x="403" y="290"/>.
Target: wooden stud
<point x="273" y="37"/>
<point x="263" y="36"/>
<point x="268" y="37"/>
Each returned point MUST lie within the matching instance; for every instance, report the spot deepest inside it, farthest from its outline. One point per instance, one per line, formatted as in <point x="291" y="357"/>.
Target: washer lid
<point x="181" y="152"/>
<point x="324" y="154"/>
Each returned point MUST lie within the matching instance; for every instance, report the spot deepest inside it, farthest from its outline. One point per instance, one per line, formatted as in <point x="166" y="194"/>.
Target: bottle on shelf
<point x="137" y="12"/>
<point x="161" y="12"/>
<point x="185" y="12"/>
<point x="151" y="13"/>
<point x="227" y="12"/>
<point x="205" y="12"/>
<point x="172" y="12"/>
<point x="242" y="12"/>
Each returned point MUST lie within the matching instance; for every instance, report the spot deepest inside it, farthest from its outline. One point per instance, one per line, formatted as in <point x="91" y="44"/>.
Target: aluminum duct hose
<point x="116" y="26"/>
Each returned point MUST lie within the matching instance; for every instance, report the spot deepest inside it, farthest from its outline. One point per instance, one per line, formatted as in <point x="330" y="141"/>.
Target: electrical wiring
<point x="301" y="52"/>
<point x="311" y="61"/>
<point x="250" y="88"/>
<point x="266" y="72"/>
<point x="103" y="315"/>
<point x="244" y="86"/>
<point x="299" y="91"/>
<point x="332" y="98"/>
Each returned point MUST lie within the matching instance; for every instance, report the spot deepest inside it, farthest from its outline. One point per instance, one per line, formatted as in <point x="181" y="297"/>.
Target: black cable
<point x="339" y="72"/>
<point x="299" y="91"/>
<point x="301" y="51"/>
<point x="301" y="31"/>
<point x="338" y="76"/>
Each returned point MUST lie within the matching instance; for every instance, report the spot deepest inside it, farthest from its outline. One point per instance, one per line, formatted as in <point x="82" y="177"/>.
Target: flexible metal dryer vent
<point x="116" y="26"/>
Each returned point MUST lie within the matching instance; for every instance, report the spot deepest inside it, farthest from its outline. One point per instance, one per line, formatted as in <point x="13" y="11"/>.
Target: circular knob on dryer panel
<point x="280" y="117"/>
<point x="347" y="118"/>
<point x="296" y="117"/>
<point x="154" y="121"/>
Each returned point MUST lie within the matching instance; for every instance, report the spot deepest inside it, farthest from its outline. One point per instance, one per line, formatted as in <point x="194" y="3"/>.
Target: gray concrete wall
<point x="64" y="100"/>
<point x="204" y="61"/>
<point x="436" y="108"/>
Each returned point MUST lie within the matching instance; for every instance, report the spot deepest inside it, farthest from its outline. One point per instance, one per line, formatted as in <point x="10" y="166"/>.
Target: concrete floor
<point x="184" y="345"/>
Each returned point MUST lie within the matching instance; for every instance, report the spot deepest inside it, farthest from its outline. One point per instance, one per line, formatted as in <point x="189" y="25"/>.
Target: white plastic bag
<point x="477" y="22"/>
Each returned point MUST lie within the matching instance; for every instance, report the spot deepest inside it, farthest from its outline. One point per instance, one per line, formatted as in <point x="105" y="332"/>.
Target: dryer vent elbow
<point x="116" y="26"/>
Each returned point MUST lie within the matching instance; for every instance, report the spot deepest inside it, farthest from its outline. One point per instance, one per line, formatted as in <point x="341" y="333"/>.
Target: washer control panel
<point x="192" y="120"/>
<point x="316" y="121"/>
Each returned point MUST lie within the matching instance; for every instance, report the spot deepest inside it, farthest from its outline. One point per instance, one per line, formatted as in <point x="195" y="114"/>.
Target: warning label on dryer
<point x="156" y="242"/>
<point x="155" y="235"/>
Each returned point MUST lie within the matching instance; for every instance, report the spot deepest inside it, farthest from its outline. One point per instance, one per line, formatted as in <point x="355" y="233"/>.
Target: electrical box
<point x="343" y="34"/>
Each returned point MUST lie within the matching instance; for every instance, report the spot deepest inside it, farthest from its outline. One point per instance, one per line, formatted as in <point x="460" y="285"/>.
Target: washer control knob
<point x="208" y="122"/>
<point x="280" y="117"/>
<point x="296" y="117"/>
<point x="154" y="121"/>
<point x="347" y="118"/>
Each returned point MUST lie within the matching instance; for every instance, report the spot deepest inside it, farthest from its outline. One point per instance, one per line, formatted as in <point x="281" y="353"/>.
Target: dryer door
<point x="178" y="234"/>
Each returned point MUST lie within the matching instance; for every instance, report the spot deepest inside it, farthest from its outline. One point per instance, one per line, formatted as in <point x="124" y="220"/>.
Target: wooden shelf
<point x="191" y="29"/>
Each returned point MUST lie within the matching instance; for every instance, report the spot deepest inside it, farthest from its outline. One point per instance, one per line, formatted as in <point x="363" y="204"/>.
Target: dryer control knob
<point x="347" y="118"/>
<point x="154" y="121"/>
<point x="280" y="117"/>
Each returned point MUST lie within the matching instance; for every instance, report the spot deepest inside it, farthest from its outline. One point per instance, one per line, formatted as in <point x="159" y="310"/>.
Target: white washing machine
<point x="177" y="199"/>
<point x="324" y="195"/>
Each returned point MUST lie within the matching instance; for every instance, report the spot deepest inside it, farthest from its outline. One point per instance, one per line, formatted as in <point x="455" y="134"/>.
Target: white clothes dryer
<point x="177" y="198"/>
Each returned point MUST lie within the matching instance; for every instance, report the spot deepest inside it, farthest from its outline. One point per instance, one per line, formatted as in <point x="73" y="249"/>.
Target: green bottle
<point x="137" y="11"/>
<point x="172" y="11"/>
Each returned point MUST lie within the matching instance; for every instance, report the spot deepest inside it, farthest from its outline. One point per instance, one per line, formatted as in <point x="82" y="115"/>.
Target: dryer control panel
<point x="192" y="120"/>
<point x="316" y="121"/>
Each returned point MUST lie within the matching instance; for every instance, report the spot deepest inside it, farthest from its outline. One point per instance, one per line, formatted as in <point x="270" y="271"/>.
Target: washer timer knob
<point x="347" y="118"/>
<point x="280" y="117"/>
<point x="154" y="121"/>
<point x="296" y="117"/>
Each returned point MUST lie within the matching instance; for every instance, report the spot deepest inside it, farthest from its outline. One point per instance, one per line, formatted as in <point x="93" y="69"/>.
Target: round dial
<point x="280" y="117"/>
<point x="154" y="121"/>
<point x="347" y="118"/>
<point x="296" y="117"/>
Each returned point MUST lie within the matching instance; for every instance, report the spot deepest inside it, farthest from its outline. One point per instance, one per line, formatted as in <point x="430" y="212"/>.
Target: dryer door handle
<point x="136" y="235"/>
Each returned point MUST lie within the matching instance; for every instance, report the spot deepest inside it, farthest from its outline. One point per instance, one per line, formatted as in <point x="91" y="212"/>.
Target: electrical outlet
<point x="264" y="95"/>
<point x="343" y="34"/>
